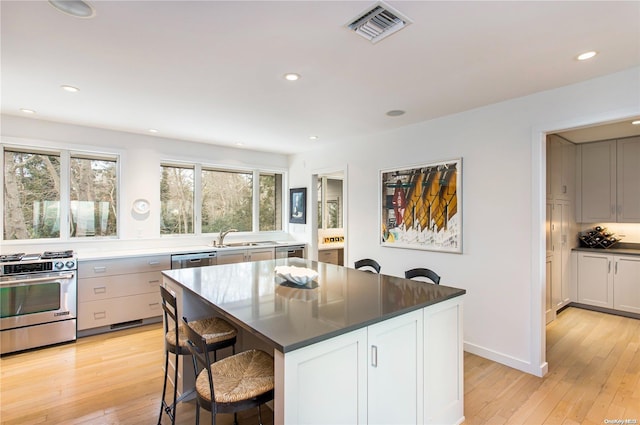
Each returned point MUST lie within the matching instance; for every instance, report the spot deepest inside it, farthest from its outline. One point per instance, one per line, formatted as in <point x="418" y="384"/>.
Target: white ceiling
<point x="212" y="71"/>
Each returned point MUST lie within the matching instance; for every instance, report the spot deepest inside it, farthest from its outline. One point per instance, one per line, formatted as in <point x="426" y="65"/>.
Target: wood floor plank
<point x="116" y="378"/>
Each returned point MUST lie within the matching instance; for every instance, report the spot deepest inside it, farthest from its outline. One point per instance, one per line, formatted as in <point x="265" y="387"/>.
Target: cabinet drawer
<point x="94" y="314"/>
<point x="99" y="288"/>
<point x="117" y="266"/>
<point x="328" y="256"/>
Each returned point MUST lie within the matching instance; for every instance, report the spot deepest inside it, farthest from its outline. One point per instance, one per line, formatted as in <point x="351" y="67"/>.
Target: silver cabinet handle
<point x="374" y="356"/>
<point x="100" y="269"/>
<point x="100" y="290"/>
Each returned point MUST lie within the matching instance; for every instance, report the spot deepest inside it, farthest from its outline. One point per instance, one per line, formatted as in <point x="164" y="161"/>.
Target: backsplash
<point x="627" y="232"/>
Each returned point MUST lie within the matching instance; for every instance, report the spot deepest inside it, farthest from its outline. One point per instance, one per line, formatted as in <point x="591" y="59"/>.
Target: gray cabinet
<point x="609" y="173"/>
<point x="245" y="254"/>
<point x="119" y="292"/>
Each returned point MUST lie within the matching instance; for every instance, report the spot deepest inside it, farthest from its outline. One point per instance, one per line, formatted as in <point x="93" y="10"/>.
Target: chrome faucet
<point x="223" y="234"/>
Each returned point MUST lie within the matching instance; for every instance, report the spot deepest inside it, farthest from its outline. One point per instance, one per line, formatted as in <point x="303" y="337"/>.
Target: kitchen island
<point x="350" y="348"/>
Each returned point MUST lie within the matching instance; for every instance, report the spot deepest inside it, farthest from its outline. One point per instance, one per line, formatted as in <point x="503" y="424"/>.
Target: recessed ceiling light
<point x="313" y="137"/>
<point x="239" y="144"/>
<point x="70" y="89"/>
<point x="27" y="111"/>
<point x="76" y="8"/>
<point x="395" y="113"/>
<point x="291" y="76"/>
<point x="636" y="122"/>
<point x="152" y="130"/>
<point x="586" y="55"/>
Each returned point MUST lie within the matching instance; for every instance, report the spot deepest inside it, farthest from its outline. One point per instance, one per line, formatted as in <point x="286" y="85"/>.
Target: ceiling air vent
<point x="378" y="21"/>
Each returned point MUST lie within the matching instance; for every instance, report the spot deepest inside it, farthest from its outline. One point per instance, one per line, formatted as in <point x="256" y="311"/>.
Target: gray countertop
<point x="289" y="317"/>
<point x="619" y="249"/>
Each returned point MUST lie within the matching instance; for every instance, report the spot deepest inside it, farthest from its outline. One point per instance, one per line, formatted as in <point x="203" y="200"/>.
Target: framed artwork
<point x="298" y="205"/>
<point x="421" y="208"/>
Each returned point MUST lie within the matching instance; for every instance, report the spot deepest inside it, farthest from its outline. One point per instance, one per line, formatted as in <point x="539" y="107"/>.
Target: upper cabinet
<point x="628" y="178"/>
<point x="608" y="176"/>
<point x="561" y="169"/>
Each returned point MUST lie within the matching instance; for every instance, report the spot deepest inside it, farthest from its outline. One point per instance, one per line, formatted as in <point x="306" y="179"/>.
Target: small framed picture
<point x="298" y="205"/>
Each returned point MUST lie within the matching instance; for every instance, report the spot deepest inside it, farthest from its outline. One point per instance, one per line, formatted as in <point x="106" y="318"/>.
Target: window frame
<point x="65" y="188"/>
<point x="255" y="201"/>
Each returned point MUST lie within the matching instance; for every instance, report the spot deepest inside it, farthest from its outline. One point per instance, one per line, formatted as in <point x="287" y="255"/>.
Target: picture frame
<point x="421" y="207"/>
<point x="298" y="205"/>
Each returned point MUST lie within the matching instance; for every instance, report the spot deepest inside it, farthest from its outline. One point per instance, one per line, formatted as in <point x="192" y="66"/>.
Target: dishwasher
<point x="290" y="251"/>
<point x="195" y="259"/>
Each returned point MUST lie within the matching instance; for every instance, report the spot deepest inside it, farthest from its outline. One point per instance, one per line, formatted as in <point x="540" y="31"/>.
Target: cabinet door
<point x="561" y="157"/>
<point x="443" y="363"/>
<point x="260" y="254"/>
<point x="229" y="257"/>
<point x="595" y="279"/>
<point x="395" y="384"/>
<point x="598" y="182"/>
<point x="628" y="181"/>
<point x="626" y="284"/>
<point x="324" y="383"/>
<point x="549" y="305"/>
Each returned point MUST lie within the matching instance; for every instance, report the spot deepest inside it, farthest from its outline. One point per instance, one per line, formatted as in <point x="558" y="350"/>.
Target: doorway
<point x="328" y="201"/>
<point x="560" y="198"/>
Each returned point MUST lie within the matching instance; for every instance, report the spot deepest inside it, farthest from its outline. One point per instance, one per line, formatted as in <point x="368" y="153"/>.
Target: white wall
<point x="502" y="263"/>
<point x="140" y="157"/>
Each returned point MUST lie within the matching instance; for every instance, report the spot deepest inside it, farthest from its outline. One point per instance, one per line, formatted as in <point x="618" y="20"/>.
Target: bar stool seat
<point x="213" y="329"/>
<point x="217" y="333"/>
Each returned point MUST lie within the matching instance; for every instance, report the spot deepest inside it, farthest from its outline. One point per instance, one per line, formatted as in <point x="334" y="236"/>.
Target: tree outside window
<point x="93" y="197"/>
<point x="31" y="195"/>
<point x="270" y="209"/>
<point x="176" y="200"/>
<point x="227" y="201"/>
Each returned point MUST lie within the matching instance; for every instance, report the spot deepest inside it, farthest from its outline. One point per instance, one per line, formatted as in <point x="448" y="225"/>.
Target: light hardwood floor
<point x="116" y="378"/>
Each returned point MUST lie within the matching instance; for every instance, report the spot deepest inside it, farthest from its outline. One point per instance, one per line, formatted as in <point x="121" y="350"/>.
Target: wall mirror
<point x="330" y="201"/>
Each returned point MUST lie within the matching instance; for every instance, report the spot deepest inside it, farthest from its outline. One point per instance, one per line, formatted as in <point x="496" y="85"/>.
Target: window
<point x="176" y="200"/>
<point x="93" y="195"/>
<point x="199" y="199"/>
<point x="31" y="195"/>
<point x="270" y="208"/>
<point x="36" y="200"/>
<point x="227" y="201"/>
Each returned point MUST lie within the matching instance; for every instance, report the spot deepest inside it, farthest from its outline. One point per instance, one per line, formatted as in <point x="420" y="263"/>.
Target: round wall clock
<point x="141" y="206"/>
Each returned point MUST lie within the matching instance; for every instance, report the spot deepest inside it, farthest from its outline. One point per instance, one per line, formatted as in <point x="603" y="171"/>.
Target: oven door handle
<point x="38" y="279"/>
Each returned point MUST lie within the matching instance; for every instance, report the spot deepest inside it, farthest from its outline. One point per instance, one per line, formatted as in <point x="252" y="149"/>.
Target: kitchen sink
<point x="243" y="244"/>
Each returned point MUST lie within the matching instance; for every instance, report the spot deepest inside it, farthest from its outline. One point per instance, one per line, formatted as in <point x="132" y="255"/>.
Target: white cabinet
<point x="396" y="355"/>
<point x="609" y="174"/>
<point x="595" y="279"/>
<point x="610" y="281"/>
<point x="242" y="255"/>
<point x="626" y="284"/>
<point x="407" y="369"/>
<point x="116" y="292"/>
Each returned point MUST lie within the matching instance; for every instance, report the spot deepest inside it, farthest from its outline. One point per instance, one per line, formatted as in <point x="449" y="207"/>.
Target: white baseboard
<point x="507" y="360"/>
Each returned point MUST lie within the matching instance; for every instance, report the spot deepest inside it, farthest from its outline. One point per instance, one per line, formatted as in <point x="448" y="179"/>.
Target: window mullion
<point x="65" y="195"/>
<point x="255" y="222"/>
<point x="197" y="200"/>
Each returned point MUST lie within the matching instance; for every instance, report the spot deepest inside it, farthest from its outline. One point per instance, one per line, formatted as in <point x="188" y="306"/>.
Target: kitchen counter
<point x="381" y="337"/>
<point x="619" y="249"/>
<point x="248" y="293"/>
<point x="168" y="250"/>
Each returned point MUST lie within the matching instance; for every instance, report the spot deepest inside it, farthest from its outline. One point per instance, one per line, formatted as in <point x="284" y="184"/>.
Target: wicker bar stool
<point x="238" y="382"/>
<point x="216" y="332"/>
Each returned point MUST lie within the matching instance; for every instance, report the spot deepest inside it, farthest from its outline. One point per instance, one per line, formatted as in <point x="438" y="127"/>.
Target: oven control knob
<point x="59" y="264"/>
<point x="70" y="264"/>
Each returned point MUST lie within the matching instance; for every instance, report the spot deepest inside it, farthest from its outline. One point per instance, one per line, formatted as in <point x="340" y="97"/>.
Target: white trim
<point x="538" y="202"/>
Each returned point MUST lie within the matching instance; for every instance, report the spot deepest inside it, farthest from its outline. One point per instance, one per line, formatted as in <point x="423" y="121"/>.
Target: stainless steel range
<point x="38" y="300"/>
